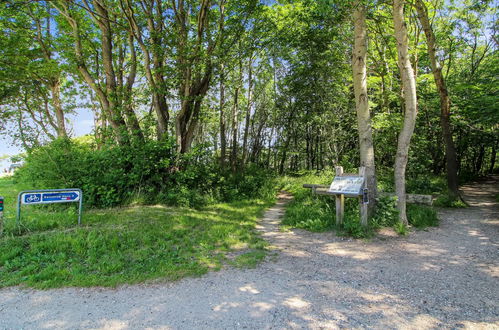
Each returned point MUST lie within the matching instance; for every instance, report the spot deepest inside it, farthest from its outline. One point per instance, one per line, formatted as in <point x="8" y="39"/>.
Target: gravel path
<point x="445" y="277"/>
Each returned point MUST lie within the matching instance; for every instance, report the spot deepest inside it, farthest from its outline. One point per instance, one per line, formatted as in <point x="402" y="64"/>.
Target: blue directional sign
<point x="60" y="197"/>
<point x="50" y="197"/>
<point x="31" y="197"/>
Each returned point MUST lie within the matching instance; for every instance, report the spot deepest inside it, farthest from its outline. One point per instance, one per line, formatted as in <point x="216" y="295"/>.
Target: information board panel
<point x="50" y="197"/>
<point x="347" y="185"/>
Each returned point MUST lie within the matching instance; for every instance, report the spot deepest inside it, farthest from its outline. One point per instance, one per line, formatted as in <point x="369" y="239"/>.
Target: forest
<point x="197" y="102"/>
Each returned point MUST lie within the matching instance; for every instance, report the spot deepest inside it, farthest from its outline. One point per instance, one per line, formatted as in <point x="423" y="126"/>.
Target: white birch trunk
<point x="361" y="101"/>
<point x="409" y="88"/>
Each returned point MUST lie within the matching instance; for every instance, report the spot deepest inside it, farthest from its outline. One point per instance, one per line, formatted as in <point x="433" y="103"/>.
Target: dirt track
<point x="445" y="277"/>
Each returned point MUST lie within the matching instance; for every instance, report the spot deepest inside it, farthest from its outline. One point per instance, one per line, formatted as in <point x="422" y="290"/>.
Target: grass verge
<point x="124" y="245"/>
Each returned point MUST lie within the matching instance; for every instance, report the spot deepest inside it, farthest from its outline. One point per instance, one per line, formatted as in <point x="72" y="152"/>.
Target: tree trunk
<point x="492" y="158"/>
<point x="450" y="150"/>
<point x="479" y="159"/>
<point x="235" y="126"/>
<point x="362" y="104"/>
<point x="107" y="98"/>
<point x="223" y="139"/>
<point x="248" y="111"/>
<point x="115" y="116"/>
<point x="55" y="89"/>
<point x="127" y="100"/>
<point x="409" y="89"/>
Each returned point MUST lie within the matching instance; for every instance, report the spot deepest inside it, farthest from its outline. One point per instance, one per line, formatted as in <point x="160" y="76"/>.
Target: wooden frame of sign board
<point x="357" y="192"/>
<point x="340" y="196"/>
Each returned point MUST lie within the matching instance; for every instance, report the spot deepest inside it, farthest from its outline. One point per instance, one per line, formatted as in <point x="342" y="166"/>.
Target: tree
<point x="409" y="88"/>
<point x="362" y="102"/>
<point x="114" y="94"/>
<point x="445" y="102"/>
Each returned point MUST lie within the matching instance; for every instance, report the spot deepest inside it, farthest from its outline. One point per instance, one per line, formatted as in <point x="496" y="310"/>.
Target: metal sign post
<point x="50" y="196"/>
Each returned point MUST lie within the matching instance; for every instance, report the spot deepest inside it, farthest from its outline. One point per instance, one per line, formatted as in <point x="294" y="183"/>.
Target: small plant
<point x="401" y="229"/>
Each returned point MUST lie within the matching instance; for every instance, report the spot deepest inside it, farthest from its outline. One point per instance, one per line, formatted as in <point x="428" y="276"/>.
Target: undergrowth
<point x="447" y="200"/>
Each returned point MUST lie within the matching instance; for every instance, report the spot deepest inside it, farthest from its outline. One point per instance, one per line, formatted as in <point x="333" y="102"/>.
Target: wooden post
<point x="1" y="215"/>
<point x="340" y="200"/>
<point x="362" y="205"/>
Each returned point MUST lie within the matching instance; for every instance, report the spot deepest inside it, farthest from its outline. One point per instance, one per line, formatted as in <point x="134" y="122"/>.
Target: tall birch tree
<point x="410" y="100"/>
<point x="361" y="99"/>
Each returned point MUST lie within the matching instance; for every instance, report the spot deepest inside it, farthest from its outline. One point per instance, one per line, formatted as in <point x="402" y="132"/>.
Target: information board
<point x="347" y="185"/>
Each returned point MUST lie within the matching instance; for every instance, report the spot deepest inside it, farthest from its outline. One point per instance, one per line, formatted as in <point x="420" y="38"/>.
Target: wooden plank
<point x="362" y="205"/>
<point x="411" y="198"/>
<point x="308" y="185"/>
<point x="324" y="191"/>
<point x="340" y="201"/>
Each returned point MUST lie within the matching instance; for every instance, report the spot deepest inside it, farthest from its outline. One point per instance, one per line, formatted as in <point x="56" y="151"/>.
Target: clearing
<point x="442" y="277"/>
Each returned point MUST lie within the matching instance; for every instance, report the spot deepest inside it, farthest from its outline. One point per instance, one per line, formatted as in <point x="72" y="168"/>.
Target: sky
<point x="79" y="124"/>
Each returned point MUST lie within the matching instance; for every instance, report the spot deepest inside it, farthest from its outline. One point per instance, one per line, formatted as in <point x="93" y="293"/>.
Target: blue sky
<point x="79" y="124"/>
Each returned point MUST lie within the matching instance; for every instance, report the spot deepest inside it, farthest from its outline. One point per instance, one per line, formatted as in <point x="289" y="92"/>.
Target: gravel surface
<point x="444" y="277"/>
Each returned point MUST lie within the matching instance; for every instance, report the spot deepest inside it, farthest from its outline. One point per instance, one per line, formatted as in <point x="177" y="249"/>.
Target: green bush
<point x="150" y="173"/>
<point x="386" y="212"/>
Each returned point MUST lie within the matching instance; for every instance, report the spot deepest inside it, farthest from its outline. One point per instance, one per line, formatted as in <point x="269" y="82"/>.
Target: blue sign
<point x="50" y="197"/>
<point x="60" y="197"/>
<point x="31" y="197"/>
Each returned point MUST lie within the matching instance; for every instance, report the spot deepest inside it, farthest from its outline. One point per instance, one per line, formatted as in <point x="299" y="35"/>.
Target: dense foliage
<point x="150" y="173"/>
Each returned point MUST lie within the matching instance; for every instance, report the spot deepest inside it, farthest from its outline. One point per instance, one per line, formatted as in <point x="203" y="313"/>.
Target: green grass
<point x="124" y="245"/>
<point x="306" y="210"/>
<point x="317" y="213"/>
<point x="421" y="216"/>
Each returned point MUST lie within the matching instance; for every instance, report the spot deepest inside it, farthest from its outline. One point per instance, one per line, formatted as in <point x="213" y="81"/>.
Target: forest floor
<point x="444" y="277"/>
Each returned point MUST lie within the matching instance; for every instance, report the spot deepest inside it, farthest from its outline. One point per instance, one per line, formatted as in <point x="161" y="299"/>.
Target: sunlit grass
<point x="123" y="245"/>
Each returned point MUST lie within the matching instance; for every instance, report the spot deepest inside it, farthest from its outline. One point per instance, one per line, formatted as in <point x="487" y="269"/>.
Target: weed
<point x="401" y="229"/>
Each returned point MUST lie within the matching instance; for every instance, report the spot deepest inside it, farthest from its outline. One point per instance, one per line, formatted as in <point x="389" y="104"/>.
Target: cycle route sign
<point x="51" y="197"/>
<point x="33" y="197"/>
